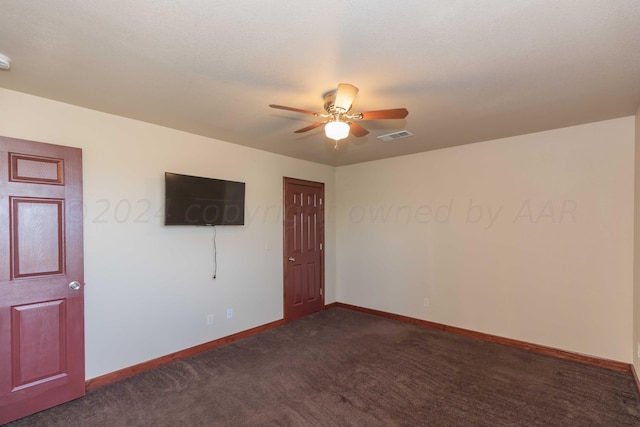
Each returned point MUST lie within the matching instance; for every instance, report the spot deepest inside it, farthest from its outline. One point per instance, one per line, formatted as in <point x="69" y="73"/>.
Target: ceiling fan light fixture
<point x="336" y="130"/>
<point x="339" y="121"/>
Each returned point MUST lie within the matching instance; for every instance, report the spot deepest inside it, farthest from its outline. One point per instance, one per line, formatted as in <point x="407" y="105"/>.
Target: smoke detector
<point x="5" y="62"/>
<point x="396" y="135"/>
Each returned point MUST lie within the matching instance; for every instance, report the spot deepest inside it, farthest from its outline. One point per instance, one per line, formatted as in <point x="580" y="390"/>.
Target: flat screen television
<point x="193" y="200"/>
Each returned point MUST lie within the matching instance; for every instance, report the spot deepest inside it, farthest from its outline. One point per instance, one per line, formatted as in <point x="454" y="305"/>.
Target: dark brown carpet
<point x="341" y="368"/>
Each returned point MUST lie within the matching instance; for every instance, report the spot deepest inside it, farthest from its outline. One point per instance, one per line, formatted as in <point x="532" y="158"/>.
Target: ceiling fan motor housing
<point x="330" y="102"/>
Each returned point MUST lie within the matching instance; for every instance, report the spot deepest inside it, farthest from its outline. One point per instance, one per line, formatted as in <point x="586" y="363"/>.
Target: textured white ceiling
<point x="467" y="70"/>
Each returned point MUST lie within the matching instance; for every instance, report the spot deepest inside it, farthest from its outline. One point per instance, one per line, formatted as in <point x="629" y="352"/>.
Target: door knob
<point x="292" y="259"/>
<point x="74" y="286"/>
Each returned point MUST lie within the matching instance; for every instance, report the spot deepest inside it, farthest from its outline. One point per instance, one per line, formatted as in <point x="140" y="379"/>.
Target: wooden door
<point x="303" y="248"/>
<point x="41" y="277"/>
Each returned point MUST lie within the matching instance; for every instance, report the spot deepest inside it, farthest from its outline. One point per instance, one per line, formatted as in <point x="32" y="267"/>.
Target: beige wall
<point x="149" y="287"/>
<point x="529" y="237"/>
<point x="636" y="258"/>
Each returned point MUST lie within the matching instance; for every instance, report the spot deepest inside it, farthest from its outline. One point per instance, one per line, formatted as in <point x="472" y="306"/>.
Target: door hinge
<point x="320" y="291"/>
<point x="320" y="246"/>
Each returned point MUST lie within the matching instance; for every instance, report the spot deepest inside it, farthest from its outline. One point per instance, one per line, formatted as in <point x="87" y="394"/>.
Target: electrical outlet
<point x="639" y="349"/>
<point x="426" y="302"/>
<point x="229" y="313"/>
<point x="209" y="319"/>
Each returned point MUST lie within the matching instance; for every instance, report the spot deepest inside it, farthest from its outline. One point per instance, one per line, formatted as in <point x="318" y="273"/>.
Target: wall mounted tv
<point x="193" y="200"/>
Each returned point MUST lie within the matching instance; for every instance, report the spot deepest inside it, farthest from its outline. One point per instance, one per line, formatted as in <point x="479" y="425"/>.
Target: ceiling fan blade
<point x="308" y="128"/>
<point x="345" y="95"/>
<point x="357" y="130"/>
<point x="395" y="113"/>
<point x="297" y="110"/>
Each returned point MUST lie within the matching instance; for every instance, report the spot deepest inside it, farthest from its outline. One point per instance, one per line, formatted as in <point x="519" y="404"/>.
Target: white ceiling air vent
<point x="5" y="62"/>
<point x="395" y="135"/>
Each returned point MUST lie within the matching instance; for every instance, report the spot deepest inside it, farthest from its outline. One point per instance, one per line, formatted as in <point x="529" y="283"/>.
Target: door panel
<point x="41" y="317"/>
<point x="36" y="329"/>
<point x="303" y="254"/>
<point x="29" y="168"/>
<point x="297" y="285"/>
<point x="37" y="242"/>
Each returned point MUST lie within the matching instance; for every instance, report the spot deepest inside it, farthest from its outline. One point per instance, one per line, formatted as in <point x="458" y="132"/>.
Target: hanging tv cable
<point x="215" y="257"/>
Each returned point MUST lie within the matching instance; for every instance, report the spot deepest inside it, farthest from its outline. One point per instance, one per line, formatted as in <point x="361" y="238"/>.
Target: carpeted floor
<point x="345" y="368"/>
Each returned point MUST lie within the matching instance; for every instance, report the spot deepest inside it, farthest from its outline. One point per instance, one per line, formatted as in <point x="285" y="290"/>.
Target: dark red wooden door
<point x="41" y="277"/>
<point x="303" y="248"/>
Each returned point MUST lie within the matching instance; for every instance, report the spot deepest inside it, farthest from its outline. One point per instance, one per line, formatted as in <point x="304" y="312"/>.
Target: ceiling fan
<point x="338" y="119"/>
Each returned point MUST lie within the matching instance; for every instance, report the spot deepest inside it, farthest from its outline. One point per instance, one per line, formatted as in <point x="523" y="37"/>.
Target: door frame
<point x="286" y="181"/>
